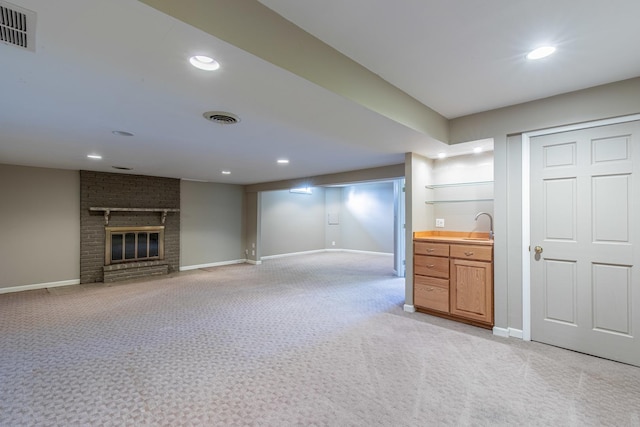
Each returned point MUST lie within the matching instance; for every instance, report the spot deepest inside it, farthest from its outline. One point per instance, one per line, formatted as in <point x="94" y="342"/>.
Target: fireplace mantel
<point x="107" y="211"/>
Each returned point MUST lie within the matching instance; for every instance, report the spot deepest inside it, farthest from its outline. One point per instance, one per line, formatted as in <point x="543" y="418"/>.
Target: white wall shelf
<point x="457" y="184"/>
<point x="435" y="202"/>
<point x="461" y="199"/>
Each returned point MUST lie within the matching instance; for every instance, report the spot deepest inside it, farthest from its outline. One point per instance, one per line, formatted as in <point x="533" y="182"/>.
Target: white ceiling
<point x="101" y="66"/>
<point x="465" y="56"/>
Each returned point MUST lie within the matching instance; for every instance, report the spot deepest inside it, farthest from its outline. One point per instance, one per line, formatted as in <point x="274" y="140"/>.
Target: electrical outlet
<point x="333" y="243"/>
<point x="440" y="222"/>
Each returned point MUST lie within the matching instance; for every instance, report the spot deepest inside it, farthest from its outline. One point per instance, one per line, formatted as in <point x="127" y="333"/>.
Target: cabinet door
<point x="471" y="290"/>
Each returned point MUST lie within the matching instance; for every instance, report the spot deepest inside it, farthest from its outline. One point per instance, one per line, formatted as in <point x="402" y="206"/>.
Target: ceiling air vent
<point x="17" y="26"/>
<point x="221" y="117"/>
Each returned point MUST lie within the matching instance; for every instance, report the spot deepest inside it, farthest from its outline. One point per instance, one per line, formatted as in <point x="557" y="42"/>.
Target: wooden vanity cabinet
<point x="454" y="280"/>
<point x="471" y="290"/>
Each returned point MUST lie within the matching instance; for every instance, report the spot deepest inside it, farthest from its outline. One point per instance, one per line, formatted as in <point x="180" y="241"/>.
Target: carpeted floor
<point x="312" y="340"/>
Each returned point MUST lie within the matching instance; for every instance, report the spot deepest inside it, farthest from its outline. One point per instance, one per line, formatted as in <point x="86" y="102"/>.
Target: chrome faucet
<point x="490" y="223"/>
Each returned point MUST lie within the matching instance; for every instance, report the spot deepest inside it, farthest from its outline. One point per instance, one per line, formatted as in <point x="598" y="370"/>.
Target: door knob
<point x="538" y="249"/>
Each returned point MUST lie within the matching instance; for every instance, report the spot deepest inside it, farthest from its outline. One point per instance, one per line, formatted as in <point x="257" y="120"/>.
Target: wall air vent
<point x="17" y="26"/>
<point x="221" y="117"/>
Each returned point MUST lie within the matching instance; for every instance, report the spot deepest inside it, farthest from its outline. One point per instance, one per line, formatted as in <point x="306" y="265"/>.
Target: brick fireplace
<point x="129" y="226"/>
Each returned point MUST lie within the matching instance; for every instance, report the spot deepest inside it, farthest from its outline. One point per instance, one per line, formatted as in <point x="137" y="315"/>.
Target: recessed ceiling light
<point x="94" y="156"/>
<point x="283" y="161"/>
<point x="226" y="172"/>
<point x="121" y="133"/>
<point x="541" y="52"/>
<point x="442" y="155"/>
<point x="204" y="63"/>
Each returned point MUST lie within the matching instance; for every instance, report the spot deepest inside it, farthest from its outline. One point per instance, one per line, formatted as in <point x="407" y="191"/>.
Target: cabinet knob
<point x="468" y="253"/>
<point x="430" y="265"/>
<point x="430" y="250"/>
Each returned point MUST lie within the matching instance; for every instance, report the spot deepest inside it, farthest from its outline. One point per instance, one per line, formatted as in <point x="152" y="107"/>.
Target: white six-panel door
<point x="585" y="222"/>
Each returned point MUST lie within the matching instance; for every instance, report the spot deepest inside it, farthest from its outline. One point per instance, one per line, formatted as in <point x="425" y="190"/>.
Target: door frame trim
<point x="526" y="205"/>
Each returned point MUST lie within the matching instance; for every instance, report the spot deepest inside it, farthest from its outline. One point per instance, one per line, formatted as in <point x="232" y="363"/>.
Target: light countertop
<point x="466" y="237"/>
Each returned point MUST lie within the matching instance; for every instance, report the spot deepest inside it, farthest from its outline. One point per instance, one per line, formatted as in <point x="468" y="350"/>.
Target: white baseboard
<point x="325" y="250"/>
<point x="213" y="264"/>
<point x="39" y="286"/>
<point x="501" y="332"/>
<point x="365" y="252"/>
<point x="293" y="254"/>
<point x="515" y="333"/>
<point x="507" y="332"/>
<point x="409" y="308"/>
<point x="250" y="261"/>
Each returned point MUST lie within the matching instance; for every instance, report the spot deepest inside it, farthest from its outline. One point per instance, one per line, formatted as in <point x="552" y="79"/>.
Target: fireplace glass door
<point x="125" y="244"/>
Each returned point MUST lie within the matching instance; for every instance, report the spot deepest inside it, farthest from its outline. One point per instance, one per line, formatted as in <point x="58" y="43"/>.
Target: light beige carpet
<point x="317" y="340"/>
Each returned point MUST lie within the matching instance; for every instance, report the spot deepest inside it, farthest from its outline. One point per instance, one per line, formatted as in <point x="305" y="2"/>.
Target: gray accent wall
<point x="39" y="225"/>
<point x="211" y="229"/>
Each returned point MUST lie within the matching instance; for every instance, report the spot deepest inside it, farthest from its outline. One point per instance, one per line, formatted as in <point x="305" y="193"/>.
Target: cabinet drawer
<point x="481" y="253"/>
<point x="430" y="296"/>
<point x="431" y="266"/>
<point x="428" y="248"/>
<point x="431" y="281"/>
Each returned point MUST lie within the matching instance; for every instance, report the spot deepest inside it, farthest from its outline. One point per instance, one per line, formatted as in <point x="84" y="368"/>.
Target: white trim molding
<point x="213" y="264"/>
<point x="39" y="286"/>
<point x="353" y="251"/>
<point x="250" y="261"/>
<point x="409" y="308"/>
<point x="507" y="332"/>
<point x="293" y="254"/>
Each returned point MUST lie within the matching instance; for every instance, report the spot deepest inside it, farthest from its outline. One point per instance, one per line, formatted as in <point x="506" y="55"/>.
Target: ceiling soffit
<point x="256" y="29"/>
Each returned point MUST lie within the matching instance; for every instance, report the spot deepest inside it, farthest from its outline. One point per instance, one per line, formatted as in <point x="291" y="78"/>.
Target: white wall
<point x="504" y="126"/>
<point x="333" y="217"/>
<point x="367" y="217"/>
<point x="292" y="222"/>
<point x="211" y="224"/>
<point x="463" y="169"/>
<point x="39" y="226"/>
<point x="419" y="215"/>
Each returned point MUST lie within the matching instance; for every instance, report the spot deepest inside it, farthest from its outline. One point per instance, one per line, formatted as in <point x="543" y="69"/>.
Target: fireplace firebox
<point x="130" y="244"/>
